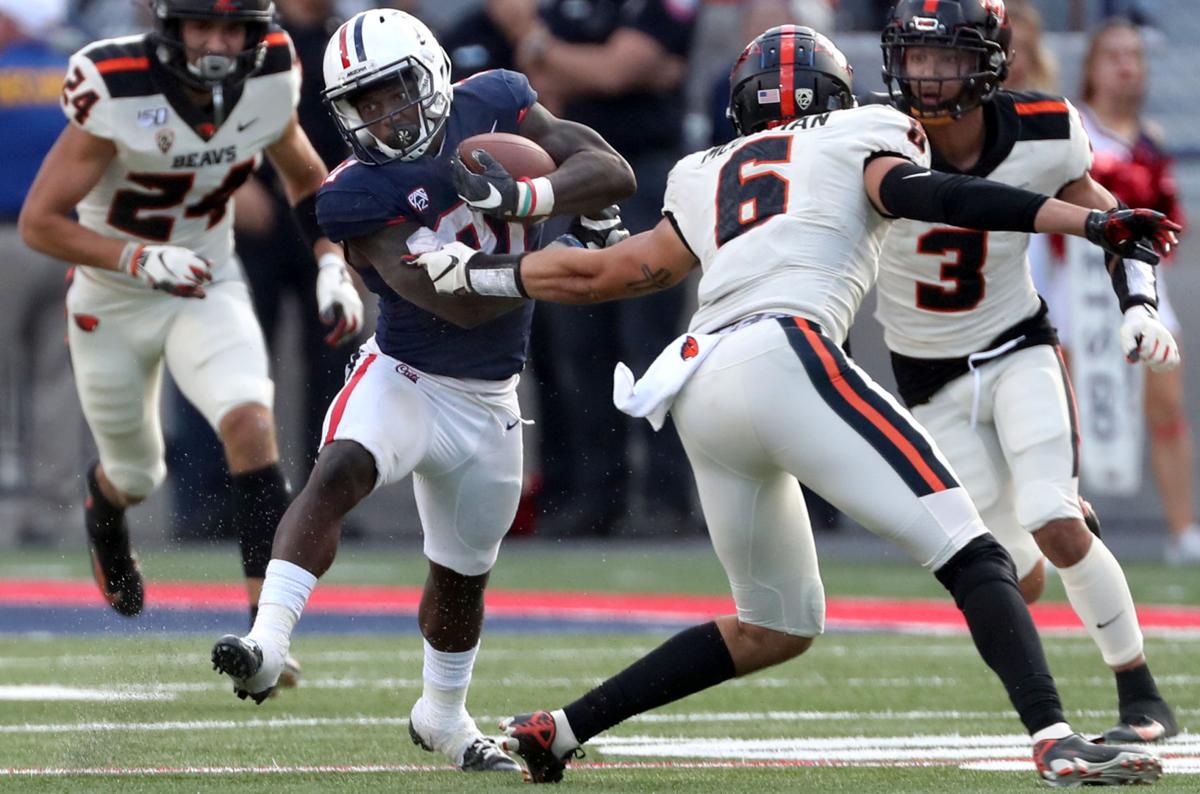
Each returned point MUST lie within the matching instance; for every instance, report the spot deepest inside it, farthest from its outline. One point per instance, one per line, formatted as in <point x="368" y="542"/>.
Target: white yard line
<point x="703" y="717"/>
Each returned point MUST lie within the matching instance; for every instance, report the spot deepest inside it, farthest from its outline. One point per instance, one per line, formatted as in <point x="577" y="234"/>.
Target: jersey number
<point x="743" y="202"/>
<point x="969" y="249"/>
<point x="81" y="102"/>
<point x="167" y="192"/>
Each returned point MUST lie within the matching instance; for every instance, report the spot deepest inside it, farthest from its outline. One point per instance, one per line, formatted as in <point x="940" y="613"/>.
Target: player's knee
<point x="1033" y="584"/>
<point x="344" y="475"/>
<point x="135" y="484"/>
<point x="757" y="647"/>
<point x="982" y="561"/>
<point x="1064" y="541"/>
<point x="1043" y="501"/>
<point x="248" y="434"/>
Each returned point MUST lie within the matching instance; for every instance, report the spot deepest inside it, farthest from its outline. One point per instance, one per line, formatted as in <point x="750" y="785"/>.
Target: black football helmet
<point x="979" y="28"/>
<point x="787" y="72"/>
<point x="211" y="71"/>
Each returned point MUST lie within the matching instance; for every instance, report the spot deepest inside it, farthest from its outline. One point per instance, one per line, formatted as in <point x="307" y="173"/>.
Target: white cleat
<point x="460" y="740"/>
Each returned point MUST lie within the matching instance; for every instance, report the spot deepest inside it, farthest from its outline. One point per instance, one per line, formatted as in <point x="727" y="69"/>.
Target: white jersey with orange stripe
<point x="946" y="292"/>
<point x="175" y="172"/>
<point x="780" y="220"/>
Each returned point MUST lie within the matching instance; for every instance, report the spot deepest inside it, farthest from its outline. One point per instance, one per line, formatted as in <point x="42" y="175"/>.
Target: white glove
<point x="1144" y="338"/>
<point x="170" y="268"/>
<point x="447" y="268"/>
<point x="337" y="299"/>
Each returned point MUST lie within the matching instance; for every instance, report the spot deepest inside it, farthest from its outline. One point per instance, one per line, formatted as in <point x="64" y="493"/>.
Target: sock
<point x="260" y="499"/>
<point x="983" y="582"/>
<point x="285" y="591"/>
<point x="1059" y="730"/>
<point x="447" y="676"/>
<point x="1099" y="594"/>
<point x="692" y="660"/>
<point x="564" y="737"/>
<point x="1136" y="685"/>
<point x="102" y="517"/>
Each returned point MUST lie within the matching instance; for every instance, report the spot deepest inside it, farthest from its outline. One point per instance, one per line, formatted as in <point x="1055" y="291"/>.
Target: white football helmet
<point x="372" y="49"/>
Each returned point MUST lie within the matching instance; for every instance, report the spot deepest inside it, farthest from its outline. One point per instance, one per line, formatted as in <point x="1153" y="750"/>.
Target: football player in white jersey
<point x="974" y="355"/>
<point x="164" y="128"/>
<point x="786" y="222"/>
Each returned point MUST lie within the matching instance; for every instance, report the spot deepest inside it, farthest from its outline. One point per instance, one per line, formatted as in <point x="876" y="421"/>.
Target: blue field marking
<point x="83" y="620"/>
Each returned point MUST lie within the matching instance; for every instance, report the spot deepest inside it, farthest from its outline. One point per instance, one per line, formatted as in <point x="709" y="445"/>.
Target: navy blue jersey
<point x="358" y="200"/>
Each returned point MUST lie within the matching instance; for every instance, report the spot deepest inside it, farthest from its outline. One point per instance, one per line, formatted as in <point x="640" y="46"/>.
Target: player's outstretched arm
<point x="301" y="171"/>
<point x="900" y="188"/>
<point x="387" y="252"/>
<point x="565" y="273"/>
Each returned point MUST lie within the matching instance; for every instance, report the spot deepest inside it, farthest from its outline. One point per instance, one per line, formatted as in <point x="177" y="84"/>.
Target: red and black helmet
<point x="979" y="28"/>
<point x="787" y="72"/>
<point x="211" y="70"/>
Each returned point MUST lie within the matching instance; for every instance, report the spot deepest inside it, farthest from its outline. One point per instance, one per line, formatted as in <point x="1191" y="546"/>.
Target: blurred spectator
<point x="483" y="38"/>
<point x="618" y="66"/>
<point x="1130" y="161"/>
<point x="757" y="16"/>
<point x="1031" y="65"/>
<point x="41" y="439"/>
<point x="279" y="267"/>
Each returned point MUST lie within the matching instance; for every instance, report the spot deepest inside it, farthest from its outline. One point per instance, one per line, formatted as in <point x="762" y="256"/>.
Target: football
<point x="521" y="157"/>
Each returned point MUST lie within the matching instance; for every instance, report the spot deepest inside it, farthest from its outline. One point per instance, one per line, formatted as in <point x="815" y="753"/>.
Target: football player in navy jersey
<point x="433" y="393"/>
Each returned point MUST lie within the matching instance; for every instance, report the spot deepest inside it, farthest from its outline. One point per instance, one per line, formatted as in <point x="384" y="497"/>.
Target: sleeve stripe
<point x="1044" y="106"/>
<point x="122" y="65"/>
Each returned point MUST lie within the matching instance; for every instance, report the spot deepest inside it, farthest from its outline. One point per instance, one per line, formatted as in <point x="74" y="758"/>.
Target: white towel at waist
<point x="652" y="394"/>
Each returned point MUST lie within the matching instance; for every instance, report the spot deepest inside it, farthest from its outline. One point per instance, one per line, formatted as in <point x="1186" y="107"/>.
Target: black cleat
<point x="1142" y="721"/>
<point x="241" y="660"/>
<point x="531" y="736"/>
<point x="1073" y="761"/>
<point x="114" y="564"/>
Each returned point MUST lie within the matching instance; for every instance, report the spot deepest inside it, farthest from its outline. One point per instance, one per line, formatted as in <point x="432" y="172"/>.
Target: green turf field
<point x="857" y="691"/>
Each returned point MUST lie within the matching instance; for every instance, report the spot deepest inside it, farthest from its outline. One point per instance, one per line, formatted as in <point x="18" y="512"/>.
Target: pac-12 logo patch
<point x="804" y="98"/>
<point x="419" y="199"/>
<point x="165" y="139"/>
<point x="690" y="348"/>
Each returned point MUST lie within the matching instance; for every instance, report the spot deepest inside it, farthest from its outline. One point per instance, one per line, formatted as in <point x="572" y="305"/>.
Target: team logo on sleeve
<point x="419" y="199"/>
<point x="689" y="349"/>
<point x="165" y="139"/>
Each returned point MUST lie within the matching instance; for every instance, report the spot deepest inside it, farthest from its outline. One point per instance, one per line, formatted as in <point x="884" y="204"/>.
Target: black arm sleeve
<point x="1134" y="282"/>
<point x="909" y="191"/>
<point x="305" y="213"/>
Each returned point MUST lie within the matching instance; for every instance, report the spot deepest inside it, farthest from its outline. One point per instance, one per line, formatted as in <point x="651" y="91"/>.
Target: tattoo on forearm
<point x="651" y="280"/>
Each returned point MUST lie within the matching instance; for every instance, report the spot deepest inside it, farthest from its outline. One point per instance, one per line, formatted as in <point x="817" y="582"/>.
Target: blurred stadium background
<point x="44" y="444"/>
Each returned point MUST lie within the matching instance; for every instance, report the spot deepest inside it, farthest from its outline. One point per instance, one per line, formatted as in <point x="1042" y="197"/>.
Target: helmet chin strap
<point x="214" y="70"/>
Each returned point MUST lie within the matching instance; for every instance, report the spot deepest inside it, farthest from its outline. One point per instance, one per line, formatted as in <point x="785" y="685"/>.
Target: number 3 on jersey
<point x="969" y="251"/>
<point x="744" y="201"/>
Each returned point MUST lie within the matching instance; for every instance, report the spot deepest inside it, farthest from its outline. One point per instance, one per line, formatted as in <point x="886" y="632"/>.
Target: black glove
<point x="602" y="229"/>
<point x="494" y="192"/>
<point x="1139" y="234"/>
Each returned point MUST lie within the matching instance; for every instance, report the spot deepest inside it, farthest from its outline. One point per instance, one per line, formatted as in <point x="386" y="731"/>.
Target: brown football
<point x="521" y="157"/>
